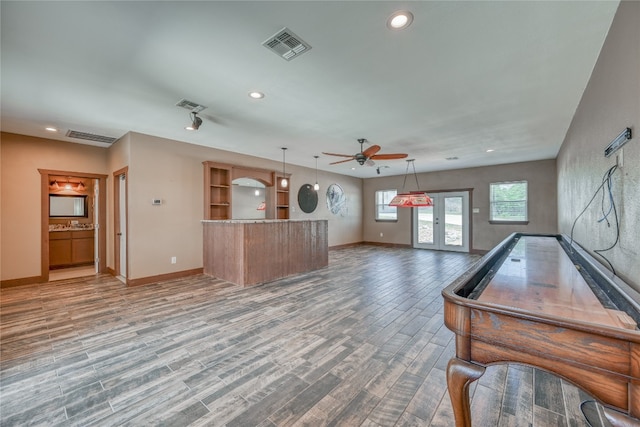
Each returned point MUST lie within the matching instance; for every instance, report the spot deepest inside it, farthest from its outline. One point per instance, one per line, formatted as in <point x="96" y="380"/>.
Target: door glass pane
<point x="425" y="225"/>
<point x="453" y="221"/>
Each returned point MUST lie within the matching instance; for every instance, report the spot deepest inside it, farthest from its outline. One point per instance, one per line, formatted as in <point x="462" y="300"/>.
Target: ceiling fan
<point x="367" y="156"/>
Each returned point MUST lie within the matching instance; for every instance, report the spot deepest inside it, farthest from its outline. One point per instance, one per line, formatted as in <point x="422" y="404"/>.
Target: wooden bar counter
<point x="545" y="302"/>
<point x="250" y="252"/>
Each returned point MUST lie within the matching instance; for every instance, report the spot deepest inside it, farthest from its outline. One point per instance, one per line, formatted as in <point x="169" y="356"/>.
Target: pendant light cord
<point x="414" y="174"/>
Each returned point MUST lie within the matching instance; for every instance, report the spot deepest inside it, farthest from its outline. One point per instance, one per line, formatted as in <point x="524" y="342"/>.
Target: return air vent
<point x="286" y="45"/>
<point x="191" y="106"/>
<point x="91" y="137"/>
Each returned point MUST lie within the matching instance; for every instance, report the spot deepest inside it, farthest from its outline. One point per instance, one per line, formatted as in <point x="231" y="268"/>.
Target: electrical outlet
<point x="173" y="260"/>
<point x="381" y="234"/>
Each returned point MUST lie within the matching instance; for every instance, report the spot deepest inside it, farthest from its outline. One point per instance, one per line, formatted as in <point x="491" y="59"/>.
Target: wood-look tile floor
<point x="360" y="343"/>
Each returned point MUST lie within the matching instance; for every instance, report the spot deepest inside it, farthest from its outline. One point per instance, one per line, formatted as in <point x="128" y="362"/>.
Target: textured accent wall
<point x="610" y="103"/>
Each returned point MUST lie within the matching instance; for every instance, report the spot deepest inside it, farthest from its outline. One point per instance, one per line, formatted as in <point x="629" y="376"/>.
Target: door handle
<point x="118" y="234"/>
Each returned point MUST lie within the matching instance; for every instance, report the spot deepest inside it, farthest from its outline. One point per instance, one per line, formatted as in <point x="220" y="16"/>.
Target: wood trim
<point x="453" y="190"/>
<point x="111" y="271"/>
<point x="389" y="245"/>
<point x="23" y="281"/>
<point x="116" y="218"/>
<point x="263" y="175"/>
<point x="162" y="277"/>
<point x="45" y="177"/>
<point x="44" y="224"/>
<point x="508" y="222"/>
<point x="347" y="245"/>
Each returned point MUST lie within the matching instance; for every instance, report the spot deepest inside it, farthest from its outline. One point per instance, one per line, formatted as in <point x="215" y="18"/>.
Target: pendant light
<point x="316" y="186"/>
<point x="284" y="182"/>
<point x="411" y="199"/>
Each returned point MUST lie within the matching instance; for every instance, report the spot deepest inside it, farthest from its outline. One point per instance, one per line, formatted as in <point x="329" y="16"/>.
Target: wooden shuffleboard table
<point x="543" y="301"/>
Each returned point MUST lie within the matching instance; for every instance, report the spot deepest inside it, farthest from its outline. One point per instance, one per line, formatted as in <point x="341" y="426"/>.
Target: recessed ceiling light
<point x="490" y="150"/>
<point x="400" y="20"/>
<point x="256" y="95"/>
<point x="353" y="169"/>
<point x="51" y="129"/>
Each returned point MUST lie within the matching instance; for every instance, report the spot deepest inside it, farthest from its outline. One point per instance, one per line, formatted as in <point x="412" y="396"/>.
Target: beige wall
<point x="610" y="103"/>
<point x="21" y="157"/>
<point x="173" y="172"/>
<point x="542" y="201"/>
<point x="158" y="168"/>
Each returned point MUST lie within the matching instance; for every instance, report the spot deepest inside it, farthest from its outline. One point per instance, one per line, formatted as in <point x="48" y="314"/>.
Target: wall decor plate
<point x="307" y="198"/>
<point x="336" y="200"/>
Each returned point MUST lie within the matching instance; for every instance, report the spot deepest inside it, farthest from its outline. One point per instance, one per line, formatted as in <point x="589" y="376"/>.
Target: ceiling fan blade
<point x="389" y="156"/>
<point x="339" y="155"/>
<point x="371" y="151"/>
<point x="341" y="161"/>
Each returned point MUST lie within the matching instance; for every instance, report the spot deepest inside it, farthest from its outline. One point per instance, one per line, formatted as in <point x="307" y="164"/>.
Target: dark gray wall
<point x="610" y="103"/>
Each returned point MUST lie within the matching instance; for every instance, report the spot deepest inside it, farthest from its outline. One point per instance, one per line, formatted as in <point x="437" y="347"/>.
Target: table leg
<point x="460" y="374"/>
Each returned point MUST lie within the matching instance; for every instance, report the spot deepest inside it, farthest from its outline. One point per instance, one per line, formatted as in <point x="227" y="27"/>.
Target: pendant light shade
<point x="284" y="182"/>
<point x="411" y="199"/>
<point x="316" y="186"/>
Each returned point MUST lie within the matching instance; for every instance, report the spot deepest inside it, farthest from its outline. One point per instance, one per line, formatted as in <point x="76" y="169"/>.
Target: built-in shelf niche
<point x="218" y="178"/>
<point x="282" y="197"/>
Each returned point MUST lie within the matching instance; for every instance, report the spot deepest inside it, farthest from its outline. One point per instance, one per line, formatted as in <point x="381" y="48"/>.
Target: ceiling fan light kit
<point x="411" y="199"/>
<point x="366" y="156"/>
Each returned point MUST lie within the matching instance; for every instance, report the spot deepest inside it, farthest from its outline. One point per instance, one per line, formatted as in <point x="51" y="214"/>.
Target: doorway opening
<point x="445" y="225"/>
<point x="73" y="218"/>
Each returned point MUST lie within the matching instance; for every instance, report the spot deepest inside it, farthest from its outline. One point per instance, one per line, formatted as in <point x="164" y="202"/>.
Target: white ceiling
<point x="463" y="78"/>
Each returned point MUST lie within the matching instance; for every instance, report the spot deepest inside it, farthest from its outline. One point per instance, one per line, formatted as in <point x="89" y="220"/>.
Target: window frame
<point x="492" y="202"/>
<point x="378" y="205"/>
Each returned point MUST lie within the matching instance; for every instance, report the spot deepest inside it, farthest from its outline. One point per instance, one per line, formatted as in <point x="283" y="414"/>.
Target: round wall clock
<point x="336" y="200"/>
<point x="307" y="198"/>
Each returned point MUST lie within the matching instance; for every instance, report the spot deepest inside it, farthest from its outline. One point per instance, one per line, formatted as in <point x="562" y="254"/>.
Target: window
<point x="508" y="201"/>
<point x="384" y="212"/>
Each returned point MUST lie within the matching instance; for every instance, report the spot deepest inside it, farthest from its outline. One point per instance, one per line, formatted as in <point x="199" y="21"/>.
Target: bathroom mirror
<point x="61" y="206"/>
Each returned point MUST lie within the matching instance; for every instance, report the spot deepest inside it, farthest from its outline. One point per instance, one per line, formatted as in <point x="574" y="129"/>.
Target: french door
<point x="445" y="225"/>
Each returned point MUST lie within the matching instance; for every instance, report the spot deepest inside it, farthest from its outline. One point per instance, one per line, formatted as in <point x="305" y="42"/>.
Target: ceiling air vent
<point x="286" y="45"/>
<point x="191" y="106"/>
<point x="91" y="137"/>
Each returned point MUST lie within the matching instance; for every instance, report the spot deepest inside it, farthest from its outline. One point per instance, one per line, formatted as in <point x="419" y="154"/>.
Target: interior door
<point x="445" y="225"/>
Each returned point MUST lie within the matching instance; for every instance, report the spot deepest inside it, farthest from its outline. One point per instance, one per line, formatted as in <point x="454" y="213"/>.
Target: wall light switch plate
<point x="476" y="210"/>
<point x="156" y="202"/>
